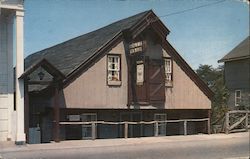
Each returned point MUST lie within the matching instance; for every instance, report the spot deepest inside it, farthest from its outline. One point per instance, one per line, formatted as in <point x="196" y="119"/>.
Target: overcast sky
<point x="201" y="36"/>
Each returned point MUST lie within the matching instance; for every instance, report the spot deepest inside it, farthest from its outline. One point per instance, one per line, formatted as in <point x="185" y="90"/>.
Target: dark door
<point x="141" y="82"/>
<point x="147" y="80"/>
<point x="138" y="85"/>
<point x="156" y="81"/>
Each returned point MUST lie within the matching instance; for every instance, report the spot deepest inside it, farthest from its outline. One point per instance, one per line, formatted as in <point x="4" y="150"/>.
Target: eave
<point x="234" y="59"/>
<point x="47" y="66"/>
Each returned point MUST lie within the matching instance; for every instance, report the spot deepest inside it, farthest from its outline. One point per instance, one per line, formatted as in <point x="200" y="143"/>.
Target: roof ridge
<point x="88" y="33"/>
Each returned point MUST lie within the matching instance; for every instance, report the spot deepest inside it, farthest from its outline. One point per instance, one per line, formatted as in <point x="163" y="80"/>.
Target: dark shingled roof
<point x="241" y="51"/>
<point x="65" y="58"/>
<point x="69" y="55"/>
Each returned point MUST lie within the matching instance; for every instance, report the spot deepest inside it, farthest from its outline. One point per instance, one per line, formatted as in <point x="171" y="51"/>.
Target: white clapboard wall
<point x="6" y="77"/>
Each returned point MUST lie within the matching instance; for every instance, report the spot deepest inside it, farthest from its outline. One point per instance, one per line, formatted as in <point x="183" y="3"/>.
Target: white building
<point x="11" y="45"/>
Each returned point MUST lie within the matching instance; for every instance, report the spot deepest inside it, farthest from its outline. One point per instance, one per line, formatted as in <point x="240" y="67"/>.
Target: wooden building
<point x="237" y="75"/>
<point x="126" y="71"/>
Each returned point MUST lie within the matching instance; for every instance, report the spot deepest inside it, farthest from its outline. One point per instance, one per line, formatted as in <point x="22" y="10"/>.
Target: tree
<point x="213" y="77"/>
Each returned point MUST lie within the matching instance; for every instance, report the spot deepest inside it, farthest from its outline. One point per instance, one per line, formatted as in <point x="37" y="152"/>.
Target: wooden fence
<point x="236" y="121"/>
<point x="126" y="123"/>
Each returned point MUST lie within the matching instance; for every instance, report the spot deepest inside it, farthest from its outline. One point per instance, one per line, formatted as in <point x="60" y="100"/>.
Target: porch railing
<point x="126" y="124"/>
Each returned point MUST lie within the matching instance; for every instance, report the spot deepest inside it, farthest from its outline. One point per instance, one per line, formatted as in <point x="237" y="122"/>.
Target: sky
<point x="201" y="35"/>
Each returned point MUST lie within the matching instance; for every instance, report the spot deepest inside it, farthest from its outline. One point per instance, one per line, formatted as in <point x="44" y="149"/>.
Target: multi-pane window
<point x="136" y="47"/>
<point x="87" y="128"/>
<point x="114" y="68"/>
<point x="168" y="70"/>
<point x="161" y="125"/>
<point x="237" y="97"/>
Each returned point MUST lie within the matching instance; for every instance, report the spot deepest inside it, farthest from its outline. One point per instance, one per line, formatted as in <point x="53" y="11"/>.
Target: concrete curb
<point x="78" y="144"/>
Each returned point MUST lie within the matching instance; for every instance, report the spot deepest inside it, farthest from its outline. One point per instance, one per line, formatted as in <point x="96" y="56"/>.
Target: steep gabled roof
<point x="241" y="51"/>
<point x="69" y="55"/>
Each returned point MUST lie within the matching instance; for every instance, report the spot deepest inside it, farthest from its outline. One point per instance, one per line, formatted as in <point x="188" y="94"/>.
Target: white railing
<point x="126" y="123"/>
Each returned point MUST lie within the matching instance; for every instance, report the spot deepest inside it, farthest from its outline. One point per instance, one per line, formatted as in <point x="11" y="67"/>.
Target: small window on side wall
<point x="168" y="72"/>
<point x="237" y="97"/>
<point x="114" y="70"/>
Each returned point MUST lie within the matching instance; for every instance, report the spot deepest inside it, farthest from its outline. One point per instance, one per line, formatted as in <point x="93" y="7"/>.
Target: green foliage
<point x="213" y="77"/>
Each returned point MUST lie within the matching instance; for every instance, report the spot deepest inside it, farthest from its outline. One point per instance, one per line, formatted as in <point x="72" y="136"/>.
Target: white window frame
<point x="168" y="71"/>
<point x="117" y="70"/>
<point x="237" y="98"/>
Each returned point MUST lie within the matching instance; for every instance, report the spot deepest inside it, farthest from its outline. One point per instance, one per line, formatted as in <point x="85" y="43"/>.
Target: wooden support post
<point x="56" y="115"/>
<point x="156" y="129"/>
<point x="185" y="127"/>
<point x="208" y="122"/>
<point x="93" y="131"/>
<point x="125" y="130"/>
<point x="227" y="123"/>
<point x="26" y="109"/>
<point x="246" y="122"/>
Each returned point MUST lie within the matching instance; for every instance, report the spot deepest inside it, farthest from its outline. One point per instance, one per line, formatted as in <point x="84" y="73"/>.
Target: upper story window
<point x="114" y="70"/>
<point x="136" y="47"/>
<point x="168" y="70"/>
<point x="237" y="97"/>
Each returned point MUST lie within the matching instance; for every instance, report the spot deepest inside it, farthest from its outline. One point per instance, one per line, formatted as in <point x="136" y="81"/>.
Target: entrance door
<point x="133" y="130"/>
<point x="147" y="81"/>
<point x="87" y="128"/>
<point x="156" y="81"/>
<point x="161" y="126"/>
<point x="138" y="92"/>
<point x="34" y="136"/>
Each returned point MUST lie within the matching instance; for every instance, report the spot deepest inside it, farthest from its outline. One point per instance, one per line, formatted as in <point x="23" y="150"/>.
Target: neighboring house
<point x="11" y="111"/>
<point x="237" y="75"/>
<point x="126" y="71"/>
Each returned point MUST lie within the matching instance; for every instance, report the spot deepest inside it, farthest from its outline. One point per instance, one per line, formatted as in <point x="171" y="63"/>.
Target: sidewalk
<point x="76" y="144"/>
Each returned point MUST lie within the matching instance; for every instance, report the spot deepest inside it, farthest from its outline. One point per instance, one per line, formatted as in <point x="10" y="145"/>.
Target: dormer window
<point x="114" y="70"/>
<point x="136" y="47"/>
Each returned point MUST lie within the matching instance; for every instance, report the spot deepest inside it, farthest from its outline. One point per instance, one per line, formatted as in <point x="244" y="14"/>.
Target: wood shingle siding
<point x="90" y="90"/>
<point x="185" y="94"/>
<point x="83" y="62"/>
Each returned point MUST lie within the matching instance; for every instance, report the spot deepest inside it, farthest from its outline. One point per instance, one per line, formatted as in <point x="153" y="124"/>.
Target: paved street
<point x="219" y="146"/>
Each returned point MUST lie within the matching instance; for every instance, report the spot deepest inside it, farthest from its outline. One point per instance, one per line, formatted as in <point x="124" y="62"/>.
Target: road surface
<point x="160" y="148"/>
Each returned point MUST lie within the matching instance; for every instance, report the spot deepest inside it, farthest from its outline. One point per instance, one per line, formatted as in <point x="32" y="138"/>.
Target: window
<point x="113" y="68"/>
<point x="237" y="97"/>
<point x="161" y="125"/>
<point x="87" y="128"/>
<point x="136" y="47"/>
<point x="168" y="70"/>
